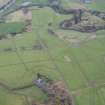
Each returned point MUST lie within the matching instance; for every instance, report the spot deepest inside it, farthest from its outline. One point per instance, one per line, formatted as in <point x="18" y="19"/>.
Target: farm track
<point x="19" y="56"/>
<point x="26" y="62"/>
<point x="7" y="5"/>
<point x="29" y="62"/>
<point x="9" y="88"/>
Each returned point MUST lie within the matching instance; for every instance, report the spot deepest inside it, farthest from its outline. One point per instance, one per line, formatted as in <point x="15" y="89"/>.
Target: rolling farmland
<point x="76" y="58"/>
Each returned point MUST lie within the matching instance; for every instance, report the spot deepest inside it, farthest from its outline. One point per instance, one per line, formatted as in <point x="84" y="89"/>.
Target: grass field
<point x="13" y="27"/>
<point x="95" y="5"/>
<point x="83" y="73"/>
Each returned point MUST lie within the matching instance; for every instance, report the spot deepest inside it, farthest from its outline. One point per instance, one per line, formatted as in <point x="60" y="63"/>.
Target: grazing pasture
<point x="77" y="59"/>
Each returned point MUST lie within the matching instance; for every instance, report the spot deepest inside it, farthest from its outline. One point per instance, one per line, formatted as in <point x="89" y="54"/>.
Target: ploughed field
<point x="77" y="59"/>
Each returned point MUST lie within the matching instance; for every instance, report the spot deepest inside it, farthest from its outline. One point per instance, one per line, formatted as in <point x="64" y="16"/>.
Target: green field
<point x="77" y="59"/>
<point x="95" y="4"/>
<point x="14" y="27"/>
